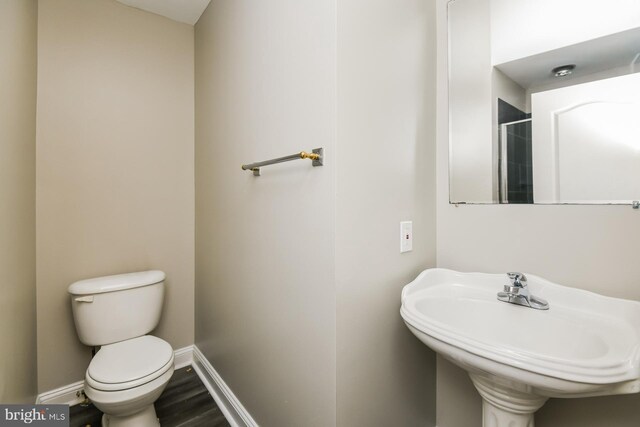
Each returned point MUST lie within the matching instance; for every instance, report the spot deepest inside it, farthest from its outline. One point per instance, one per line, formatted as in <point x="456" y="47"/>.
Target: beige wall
<point x="385" y="174"/>
<point x="265" y="292"/>
<point x="290" y="265"/>
<point x="589" y="247"/>
<point x="18" y="26"/>
<point x="114" y="166"/>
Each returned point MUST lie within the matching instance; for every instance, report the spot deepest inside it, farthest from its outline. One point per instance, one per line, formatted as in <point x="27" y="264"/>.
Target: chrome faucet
<point x="518" y="293"/>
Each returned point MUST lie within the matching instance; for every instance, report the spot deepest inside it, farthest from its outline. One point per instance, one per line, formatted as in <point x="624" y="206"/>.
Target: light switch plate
<point x="406" y="236"/>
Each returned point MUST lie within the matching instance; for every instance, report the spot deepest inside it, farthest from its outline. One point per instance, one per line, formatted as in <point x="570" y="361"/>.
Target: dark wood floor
<point x="184" y="403"/>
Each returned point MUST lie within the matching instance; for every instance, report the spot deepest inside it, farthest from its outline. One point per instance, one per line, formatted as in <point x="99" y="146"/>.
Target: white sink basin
<point x="584" y="345"/>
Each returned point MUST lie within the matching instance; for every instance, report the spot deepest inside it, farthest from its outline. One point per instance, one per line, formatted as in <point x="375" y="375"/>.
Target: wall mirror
<point x="544" y="101"/>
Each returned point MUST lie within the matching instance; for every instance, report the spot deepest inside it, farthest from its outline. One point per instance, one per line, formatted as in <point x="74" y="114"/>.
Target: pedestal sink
<point x="517" y="357"/>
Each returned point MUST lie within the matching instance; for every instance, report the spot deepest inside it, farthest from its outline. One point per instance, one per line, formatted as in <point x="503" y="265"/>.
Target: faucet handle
<point x="518" y="279"/>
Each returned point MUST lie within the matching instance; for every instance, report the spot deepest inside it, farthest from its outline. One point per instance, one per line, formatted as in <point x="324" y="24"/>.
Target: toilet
<point x="131" y="369"/>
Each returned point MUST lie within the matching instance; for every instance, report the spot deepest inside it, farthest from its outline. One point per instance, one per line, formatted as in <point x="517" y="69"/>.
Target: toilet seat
<point x="128" y="364"/>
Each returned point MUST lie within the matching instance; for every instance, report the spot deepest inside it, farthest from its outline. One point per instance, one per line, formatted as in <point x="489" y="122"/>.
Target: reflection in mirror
<point x="544" y="101"/>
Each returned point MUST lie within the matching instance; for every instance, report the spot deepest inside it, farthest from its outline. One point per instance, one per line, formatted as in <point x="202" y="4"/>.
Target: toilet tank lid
<point x="116" y="282"/>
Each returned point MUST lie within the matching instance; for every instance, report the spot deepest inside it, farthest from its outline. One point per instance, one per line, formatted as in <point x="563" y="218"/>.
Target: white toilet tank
<point x="116" y="308"/>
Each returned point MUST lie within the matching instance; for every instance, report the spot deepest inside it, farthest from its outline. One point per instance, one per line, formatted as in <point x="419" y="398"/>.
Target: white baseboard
<point x="228" y="403"/>
<point x="183" y="357"/>
<point x="231" y="407"/>
<point x="69" y="394"/>
<point x="72" y="394"/>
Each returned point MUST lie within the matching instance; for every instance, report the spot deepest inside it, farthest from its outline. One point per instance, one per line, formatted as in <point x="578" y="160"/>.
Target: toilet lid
<point x="130" y="360"/>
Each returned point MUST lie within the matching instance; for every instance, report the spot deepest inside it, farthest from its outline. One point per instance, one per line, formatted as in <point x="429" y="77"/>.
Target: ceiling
<point x="590" y="57"/>
<point x="187" y="11"/>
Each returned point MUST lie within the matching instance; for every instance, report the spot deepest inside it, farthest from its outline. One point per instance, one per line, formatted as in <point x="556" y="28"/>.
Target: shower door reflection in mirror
<point x="544" y="101"/>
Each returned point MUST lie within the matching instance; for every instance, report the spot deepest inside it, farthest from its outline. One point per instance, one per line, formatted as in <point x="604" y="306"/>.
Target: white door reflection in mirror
<point x="586" y="142"/>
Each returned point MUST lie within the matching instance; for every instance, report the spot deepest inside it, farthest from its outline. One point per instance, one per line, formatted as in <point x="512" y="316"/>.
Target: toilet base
<point x="145" y="418"/>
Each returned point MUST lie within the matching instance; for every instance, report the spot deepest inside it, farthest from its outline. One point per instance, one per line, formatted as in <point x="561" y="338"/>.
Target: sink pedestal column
<point x="504" y="406"/>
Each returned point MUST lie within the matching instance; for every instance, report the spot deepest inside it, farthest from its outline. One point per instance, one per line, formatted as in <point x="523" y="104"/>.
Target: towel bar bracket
<point x="317" y="161"/>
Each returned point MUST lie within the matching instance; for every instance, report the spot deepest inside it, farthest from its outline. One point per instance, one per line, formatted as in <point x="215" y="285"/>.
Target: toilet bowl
<point x="131" y="369"/>
<point x="124" y="379"/>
